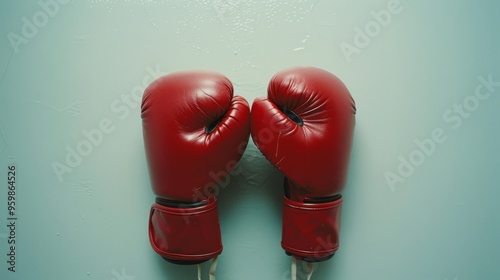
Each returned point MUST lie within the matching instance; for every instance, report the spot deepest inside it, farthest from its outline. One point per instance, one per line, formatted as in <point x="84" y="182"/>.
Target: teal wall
<point x="424" y="181"/>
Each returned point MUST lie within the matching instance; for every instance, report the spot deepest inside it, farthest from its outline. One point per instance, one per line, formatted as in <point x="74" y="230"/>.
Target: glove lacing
<point x="211" y="273"/>
<point x="310" y="269"/>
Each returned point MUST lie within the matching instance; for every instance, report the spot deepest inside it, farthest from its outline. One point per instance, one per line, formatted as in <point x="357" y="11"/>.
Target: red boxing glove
<point x="194" y="130"/>
<point x="304" y="128"/>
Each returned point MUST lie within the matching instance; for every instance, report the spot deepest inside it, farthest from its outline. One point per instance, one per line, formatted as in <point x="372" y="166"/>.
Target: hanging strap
<point x="310" y="269"/>
<point x="213" y="267"/>
<point x="294" y="269"/>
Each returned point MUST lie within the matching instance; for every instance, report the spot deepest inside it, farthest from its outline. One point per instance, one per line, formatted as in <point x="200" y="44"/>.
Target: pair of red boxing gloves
<point x="194" y="126"/>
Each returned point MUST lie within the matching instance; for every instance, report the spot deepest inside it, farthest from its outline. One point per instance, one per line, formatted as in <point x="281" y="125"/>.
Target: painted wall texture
<point x="421" y="201"/>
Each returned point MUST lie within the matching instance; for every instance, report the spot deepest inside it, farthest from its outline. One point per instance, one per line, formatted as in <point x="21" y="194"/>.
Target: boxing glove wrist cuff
<point x="311" y="230"/>
<point x="185" y="234"/>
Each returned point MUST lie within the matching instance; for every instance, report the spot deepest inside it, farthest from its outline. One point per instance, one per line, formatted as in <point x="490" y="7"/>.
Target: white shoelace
<point x="213" y="267"/>
<point x="310" y="269"/>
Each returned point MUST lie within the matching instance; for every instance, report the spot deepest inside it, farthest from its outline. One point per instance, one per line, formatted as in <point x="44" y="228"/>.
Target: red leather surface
<point x="314" y="157"/>
<point x="311" y="230"/>
<point x="185" y="233"/>
<point x="176" y="109"/>
<point x="186" y="162"/>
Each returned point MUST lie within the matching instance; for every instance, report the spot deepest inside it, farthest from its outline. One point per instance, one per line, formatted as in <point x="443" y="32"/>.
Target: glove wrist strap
<point x="311" y="230"/>
<point x="185" y="235"/>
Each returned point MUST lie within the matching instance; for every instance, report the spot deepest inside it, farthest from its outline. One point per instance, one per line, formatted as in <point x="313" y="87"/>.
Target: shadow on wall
<point x="255" y="178"/>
